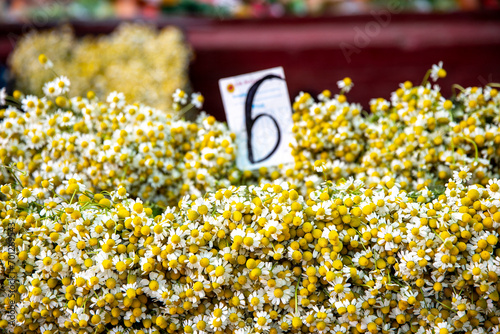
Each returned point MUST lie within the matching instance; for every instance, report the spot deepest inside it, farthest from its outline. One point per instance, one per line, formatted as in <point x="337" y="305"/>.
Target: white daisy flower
<point x="116" y="100"/>
<point x="345" y="84"/>
<point x="197" y="100"/>
<point x="437" y="71"/>
<point x="63" y="83"/>
<point x="180" y="96"/>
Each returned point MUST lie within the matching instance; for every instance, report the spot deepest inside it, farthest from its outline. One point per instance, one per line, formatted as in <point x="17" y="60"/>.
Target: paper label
<point x="258" y="111"/>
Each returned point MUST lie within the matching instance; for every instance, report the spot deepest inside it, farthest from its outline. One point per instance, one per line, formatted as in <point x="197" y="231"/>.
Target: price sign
<point x="258" y="111"/>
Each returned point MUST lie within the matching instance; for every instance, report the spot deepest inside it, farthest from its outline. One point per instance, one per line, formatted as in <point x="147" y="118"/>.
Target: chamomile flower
<point x="494" y="188"/>
<point x="116" y="100"/>
<point x="462" y="175"/>
<point x="437" y="71"/>
<point x="345" y="85"/>
<point x="29" y="103"/>
<point x="63" y="84"/>
<point x="279" y="295"/>
<point x="26" y="195"/>
<point x="180" y="97"/>
<point x="387" y="235"/>
<point x="197" y="100"/>
<point x="262" y="321"/>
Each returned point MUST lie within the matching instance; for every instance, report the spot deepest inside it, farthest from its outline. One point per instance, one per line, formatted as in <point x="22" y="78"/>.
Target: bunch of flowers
<point x="132" y="54"/>
<point x="331" y="131"/>
<point x="410" y="244"/>
<point x="254" y="259"/>
<point x="328" y="141"/>
<point x="110" y="143"/>
<point x="417" y="139"/>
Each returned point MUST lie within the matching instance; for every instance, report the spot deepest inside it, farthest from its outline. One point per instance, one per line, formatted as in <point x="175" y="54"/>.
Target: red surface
<point x="312" y="51"/>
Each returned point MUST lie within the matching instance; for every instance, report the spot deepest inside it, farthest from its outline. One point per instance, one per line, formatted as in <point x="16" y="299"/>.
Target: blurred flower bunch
<point x="105" y="144"/>
<point x="132" y="54"/>
<point x="253" y="259"/>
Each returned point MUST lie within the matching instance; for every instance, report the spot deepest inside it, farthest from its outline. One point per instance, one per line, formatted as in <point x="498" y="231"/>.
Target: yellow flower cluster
<point x="144" y="64"/>
<point x="422" y="137"/>
<point x="331" y="131"/>
<point x="417" y="139"/>
<point x="254" y="259"/>
<point x="403" y="238"/>
<point x="107" y="144"/>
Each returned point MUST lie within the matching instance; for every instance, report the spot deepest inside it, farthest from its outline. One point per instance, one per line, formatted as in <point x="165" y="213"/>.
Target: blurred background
<point x="193" y="43"/>
<point x="105" y="9"/>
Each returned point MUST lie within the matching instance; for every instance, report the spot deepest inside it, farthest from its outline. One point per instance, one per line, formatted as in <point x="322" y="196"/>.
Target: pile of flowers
<point x="105" y="144"/>
<point x="417" y="139"/>
<point x="259" y="259"/>
<point x="420" y="137"/>
<point x="330" y="130"/>
<point x="120" y="218"/>
<point x="132" y="54"/>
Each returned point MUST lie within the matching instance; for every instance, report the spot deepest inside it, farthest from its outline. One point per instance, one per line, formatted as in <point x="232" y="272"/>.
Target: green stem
<point x="85" y="304"/>
<point x="297" y="297"/>
<point x="455" y="87"/>
<point x="475" y="147"/>
<point x="62" y="198"/>
<point x="12" y="101"/>
<point x="426" y="77"/>
<point x="361" y="241"/>
<point x="124" y="173"/>
<point x="433" y="230"/>
<point x="445" y="306"/>
<point x="183" y="111"/>
<point x="72" y="196"/>
<point x="422" y="292"/>
<point x="12" y="170"/>
<point x="51" y="69"/>
<point x="269" y="198"/>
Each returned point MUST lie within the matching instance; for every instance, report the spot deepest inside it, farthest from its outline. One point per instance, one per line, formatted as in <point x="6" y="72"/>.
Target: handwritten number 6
<point x="249" y="121"/>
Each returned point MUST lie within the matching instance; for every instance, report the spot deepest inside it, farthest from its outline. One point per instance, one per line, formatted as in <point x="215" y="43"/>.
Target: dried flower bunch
<point x="132" y="54"/>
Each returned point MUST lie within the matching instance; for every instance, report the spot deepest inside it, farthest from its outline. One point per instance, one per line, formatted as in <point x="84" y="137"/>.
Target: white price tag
<point x="258" y="111"/>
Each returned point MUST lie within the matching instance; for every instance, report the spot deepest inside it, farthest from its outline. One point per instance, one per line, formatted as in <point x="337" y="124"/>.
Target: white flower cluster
<point x="408" y="244"/>
<point x="417" y="139"/>
<point x="256" y="259"/>
<point x="107" y="144"/>
<point x="420" y="138"/>
<point x="330" y="130"/>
